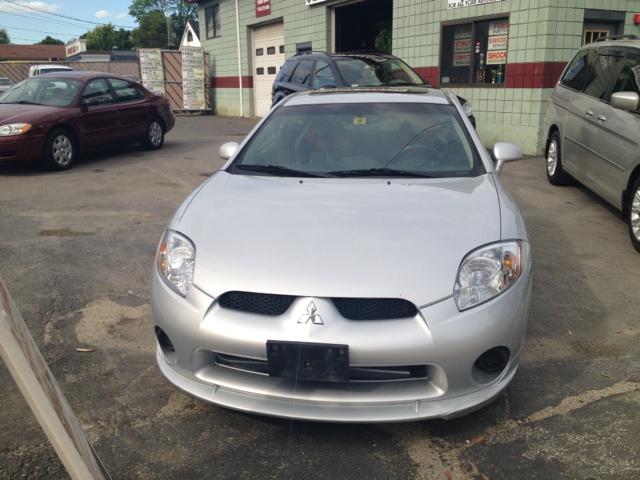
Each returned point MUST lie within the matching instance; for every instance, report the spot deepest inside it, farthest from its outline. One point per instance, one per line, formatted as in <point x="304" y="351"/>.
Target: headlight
<point x="489" y="271"/>
<point x="13" y="129"/>
<point x="176" y="261"/>
<point x="466" y="108"/>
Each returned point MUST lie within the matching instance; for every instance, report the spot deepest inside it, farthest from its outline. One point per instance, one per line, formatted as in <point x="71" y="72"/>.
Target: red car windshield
<point x="55" y="92"/>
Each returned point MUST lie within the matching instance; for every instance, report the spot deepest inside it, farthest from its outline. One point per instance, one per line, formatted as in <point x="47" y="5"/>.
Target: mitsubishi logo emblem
<point x="315" y="319"/>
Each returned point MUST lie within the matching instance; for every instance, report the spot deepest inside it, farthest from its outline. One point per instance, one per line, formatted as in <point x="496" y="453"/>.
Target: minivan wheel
<point x="60" y="150"/>
<point x="634" y="215"/>
<point x="555" y="174"/>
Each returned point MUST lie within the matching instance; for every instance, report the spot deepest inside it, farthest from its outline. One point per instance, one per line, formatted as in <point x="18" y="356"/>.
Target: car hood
<point x="395" y="238"/>
<point x="11" y="112"/>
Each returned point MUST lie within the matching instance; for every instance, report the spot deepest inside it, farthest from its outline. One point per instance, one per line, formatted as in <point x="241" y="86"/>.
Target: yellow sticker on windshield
<point x="360" y="121"/>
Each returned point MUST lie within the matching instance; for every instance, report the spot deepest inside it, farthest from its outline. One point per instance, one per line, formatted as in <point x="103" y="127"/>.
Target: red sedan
<point x="52" y="117"/>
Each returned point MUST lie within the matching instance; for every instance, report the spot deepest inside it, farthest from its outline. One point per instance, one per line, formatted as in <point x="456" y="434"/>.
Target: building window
<point x="271" y="50"/>
<point x="591" y="36"/>
<point x="212" y="19"/>
<point x="474" y="53"/>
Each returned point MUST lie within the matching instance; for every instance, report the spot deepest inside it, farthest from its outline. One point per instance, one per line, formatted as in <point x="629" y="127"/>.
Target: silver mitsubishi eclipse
<point x="355" y="260"/>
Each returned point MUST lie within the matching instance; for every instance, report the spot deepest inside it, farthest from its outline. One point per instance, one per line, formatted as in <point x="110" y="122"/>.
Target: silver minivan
<point x="592" y="125"/>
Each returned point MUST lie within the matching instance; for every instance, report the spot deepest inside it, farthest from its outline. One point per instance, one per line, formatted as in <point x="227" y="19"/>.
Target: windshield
<point x="5" y="81"/>
<point x="57" y="92"/>
<point x="374" y="70"/>
<point x="395" y="139"/>
<point x="54" y="70"/>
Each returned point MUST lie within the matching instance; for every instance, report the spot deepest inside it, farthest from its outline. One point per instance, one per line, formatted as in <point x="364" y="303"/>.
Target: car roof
<point x="352" y="54"/>
<point x="79" y="74"/>
<point x="623" y="41"/>
<point x="417" y="94"/>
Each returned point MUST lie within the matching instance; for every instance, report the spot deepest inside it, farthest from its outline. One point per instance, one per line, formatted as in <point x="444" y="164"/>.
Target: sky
<point x="28" y="22"/>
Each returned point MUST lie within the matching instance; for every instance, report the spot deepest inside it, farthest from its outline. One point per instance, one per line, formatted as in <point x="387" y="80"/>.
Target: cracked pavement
<point x="76" y="251"/>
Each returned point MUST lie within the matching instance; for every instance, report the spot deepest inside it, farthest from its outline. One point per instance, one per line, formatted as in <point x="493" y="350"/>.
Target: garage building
<point x="504" y="56"/>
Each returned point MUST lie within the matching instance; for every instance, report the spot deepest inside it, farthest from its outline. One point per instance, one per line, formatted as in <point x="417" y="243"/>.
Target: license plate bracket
<point x="320" y="362"/>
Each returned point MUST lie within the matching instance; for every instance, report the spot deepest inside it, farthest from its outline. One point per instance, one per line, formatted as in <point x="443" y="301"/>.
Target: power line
<point x="48" y="20"/>
<point x="37" y="31"/>
<point x="57" y="14"/>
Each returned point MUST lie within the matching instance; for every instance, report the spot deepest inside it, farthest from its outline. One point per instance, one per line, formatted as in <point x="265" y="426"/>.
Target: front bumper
<point x="447" y="341"/>
<point x="21" y="147"/>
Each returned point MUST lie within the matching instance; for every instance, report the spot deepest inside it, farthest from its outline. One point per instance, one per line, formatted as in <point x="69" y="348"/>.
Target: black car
<point x="314" y="70"/>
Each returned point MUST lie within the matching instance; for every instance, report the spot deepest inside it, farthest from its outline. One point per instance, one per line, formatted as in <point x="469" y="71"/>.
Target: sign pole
<point x="43" y="394"/>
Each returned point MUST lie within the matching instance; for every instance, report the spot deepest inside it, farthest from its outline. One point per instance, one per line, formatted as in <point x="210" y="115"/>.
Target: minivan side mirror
<point x="227" y="150"/>
<point x="504" y="152"/>
<point x="625" y="101"/>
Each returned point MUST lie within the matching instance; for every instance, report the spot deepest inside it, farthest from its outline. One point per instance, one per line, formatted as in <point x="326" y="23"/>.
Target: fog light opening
<point x="494" y="360"/>
<point x="166" y="345"/>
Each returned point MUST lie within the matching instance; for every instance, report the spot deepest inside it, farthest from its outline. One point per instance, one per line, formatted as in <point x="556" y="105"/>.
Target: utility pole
<point x="168" y="17"/>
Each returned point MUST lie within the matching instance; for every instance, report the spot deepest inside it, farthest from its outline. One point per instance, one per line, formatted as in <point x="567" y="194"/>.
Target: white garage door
<point x="268" y="57"/>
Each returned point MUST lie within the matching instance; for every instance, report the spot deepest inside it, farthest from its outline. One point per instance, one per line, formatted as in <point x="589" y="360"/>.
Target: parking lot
<point x="76" y="252"/>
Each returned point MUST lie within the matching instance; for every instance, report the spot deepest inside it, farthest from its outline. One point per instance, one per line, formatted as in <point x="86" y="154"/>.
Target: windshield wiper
<point x="381" y="172"/>
<point x="21" y="102"/>
<point x="277" y="170"/>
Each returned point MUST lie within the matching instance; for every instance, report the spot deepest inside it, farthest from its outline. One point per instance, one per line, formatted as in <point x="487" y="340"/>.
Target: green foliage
<point x="179" y="12"/>
<point x="383" y="40"/>
<point x="152" y="31"/>
<point x="105" y="37"/>
<point x="50" y="41"/>
<point x="4" y="36"/>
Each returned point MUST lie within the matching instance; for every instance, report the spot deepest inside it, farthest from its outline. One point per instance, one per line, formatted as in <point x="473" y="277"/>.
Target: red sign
<point x="495" y="58"/>
<point x="263" y="8"/>
<point x="461" y="46"/>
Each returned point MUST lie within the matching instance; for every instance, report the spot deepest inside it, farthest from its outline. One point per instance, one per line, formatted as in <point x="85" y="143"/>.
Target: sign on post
<point x="39" y="387"/>
<point x="151" y="69"/>
<point x="193" y="94"/>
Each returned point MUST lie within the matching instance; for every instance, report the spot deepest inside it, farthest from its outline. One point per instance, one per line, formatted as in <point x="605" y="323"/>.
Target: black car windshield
<point x="361" y="139"/>
<point x="375" y="70"/>
<point x="45" y="90"/>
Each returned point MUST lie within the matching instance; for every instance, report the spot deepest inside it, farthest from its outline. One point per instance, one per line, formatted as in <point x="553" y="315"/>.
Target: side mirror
<point x="227" y="150"/>
<point x="90" y="102"/>
<point x="625" y="101"/>
<point x="505" y="152"/>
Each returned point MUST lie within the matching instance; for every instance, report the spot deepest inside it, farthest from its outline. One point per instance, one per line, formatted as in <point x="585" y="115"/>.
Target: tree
<point x="179" y="11"/>
<point x="4" y="36"/>
<point x="50" y="41"/>
<point x="105" y="37"/>
<point x="152" y="32"/>
<point x="124" y="41"/>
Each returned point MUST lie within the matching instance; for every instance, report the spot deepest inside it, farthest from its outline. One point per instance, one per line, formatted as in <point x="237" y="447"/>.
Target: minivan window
<point x="629" y="78"/>
<point x="576" y="73"/>
<point x="602" y="69"/>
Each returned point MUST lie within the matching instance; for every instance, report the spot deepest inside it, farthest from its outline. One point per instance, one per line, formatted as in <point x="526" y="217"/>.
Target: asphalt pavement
<point x="76" y="252"/>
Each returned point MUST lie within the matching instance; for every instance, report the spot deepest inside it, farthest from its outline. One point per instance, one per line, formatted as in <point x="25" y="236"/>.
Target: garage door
<point x="268" y="57"/>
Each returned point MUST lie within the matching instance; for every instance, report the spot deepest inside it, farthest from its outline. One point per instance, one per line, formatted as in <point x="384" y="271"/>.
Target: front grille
<point x="260" y="303"/>
<point x="374" y="308"/>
